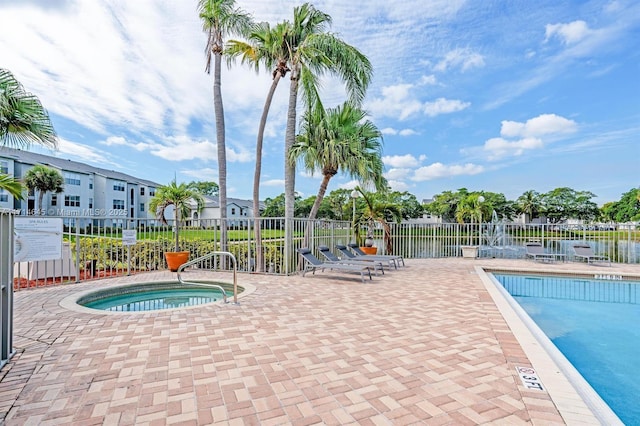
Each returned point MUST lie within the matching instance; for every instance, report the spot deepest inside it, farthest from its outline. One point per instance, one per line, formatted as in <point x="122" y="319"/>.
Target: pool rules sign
<point x="129" y="237"/>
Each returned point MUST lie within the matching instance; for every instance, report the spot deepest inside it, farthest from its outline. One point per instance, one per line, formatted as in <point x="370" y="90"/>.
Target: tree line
<point x="464" y="206"/>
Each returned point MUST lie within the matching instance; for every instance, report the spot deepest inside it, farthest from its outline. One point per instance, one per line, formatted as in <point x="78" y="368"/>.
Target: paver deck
<point x="425" y="344"/>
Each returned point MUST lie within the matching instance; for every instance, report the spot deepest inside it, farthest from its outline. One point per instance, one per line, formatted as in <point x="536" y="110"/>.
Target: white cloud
<point x="403" y="132"/>
<point x="84" y="153"/>
<point x="439" y="170"/>
<point x="114" y="140"/>
<point x="178" y="152"/>
<point x="444" y="106"/>
<point x="570" y="33"/>
<point x="399" y="101"/>
<point x="428" y="80"/>
<point x="349" y="185"/>
<point x="273" y="182"/>
<point x="396" y="101"/>
<point x="406" y="160"/>
<point x="398" y="185"/>
<point x="204" y="174"/>
<point x="396" y="174"/>
<point x="544" y="124"/>
<point x="464" y="59"/>
<point x="500" y="148"/>
<point x="238" y="155"/>
<point x="407" y="132"/>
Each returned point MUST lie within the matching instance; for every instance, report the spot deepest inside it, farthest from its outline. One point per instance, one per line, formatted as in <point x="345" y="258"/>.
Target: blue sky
<point x="502" y="96"/>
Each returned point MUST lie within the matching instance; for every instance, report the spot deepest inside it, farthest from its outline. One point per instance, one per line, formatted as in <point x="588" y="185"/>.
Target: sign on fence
<point x="129" y="237"/>
<point x="37" y="238"/>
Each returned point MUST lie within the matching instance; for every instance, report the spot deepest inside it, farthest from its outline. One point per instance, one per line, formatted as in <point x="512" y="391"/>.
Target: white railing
<point x="6" y="285"/>
<point x="97" y="249"/>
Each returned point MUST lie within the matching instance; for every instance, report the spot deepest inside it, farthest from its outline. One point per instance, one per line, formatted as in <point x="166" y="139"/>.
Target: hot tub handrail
<point x="209" y="256"/>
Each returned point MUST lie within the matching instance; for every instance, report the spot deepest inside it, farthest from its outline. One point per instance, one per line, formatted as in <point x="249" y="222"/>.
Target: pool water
<point x="594" y="323"/>
<point x="151" y="300"/>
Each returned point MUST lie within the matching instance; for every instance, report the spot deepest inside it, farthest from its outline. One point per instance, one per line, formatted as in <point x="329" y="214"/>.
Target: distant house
<point x="237" y="211"/>
<point x="88" y="191"/>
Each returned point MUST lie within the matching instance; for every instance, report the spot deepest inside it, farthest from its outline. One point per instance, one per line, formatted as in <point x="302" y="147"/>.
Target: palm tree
<point x="473" y="207"/>
<point x="11" y="185"/>
<point x="43" y="179"/>
<point x="220" y="18"/>
<point x="178" y="196"/>
<point x="377" y="209"/>
<point x="23" y="120"/>
<point x="339" y="139"/>
<point x="530" y="204"/>
<point x="314" y="52"/>
<point x="265" y="46"/>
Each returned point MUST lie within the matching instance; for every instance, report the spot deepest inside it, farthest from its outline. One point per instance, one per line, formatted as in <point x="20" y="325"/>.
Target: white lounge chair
<point x="537" y="252"/>
<point x="585" y="252"/>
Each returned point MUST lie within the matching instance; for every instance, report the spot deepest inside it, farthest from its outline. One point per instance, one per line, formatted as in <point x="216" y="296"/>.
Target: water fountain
<point x="496" y="242"/>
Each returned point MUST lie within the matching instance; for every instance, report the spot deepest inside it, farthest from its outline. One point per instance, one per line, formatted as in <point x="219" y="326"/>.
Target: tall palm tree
<point x="23" y="120"/>
<point x="314" y="52"/>
<point x="43" y="179"/>
<point x="265" y="45"/>
<point x="339" y="139"/>
<point x="219" y="19"/>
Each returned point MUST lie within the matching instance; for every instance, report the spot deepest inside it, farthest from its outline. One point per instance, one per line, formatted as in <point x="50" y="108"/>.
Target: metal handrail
<point x="209" y="256"/>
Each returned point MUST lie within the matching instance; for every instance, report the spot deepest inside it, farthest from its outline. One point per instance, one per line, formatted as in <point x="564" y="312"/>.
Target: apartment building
<point x="88" y="191"/>
<point x="238" y="210"/>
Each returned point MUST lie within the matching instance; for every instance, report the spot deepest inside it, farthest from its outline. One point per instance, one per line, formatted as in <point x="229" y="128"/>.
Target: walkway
<point x="422" y="345"/>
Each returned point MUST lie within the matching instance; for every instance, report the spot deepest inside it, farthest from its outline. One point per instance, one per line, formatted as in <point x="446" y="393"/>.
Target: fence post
<point x="6" y="285"/>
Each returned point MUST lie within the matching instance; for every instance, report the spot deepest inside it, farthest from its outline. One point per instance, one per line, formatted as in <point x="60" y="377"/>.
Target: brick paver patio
<point x="425" y="344"/>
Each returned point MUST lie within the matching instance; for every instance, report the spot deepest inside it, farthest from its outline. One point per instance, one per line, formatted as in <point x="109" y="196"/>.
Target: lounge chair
<point x="356" y="252"/>
<point x="312" y="263"/>
<point x="326" y="252"/>
<point x="537" y="252"/>
<point x="585" y="252"/>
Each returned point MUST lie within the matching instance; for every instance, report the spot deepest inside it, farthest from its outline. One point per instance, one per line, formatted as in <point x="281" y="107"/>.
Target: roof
<point x="28" y="157"/>
<point x="210" y="201"/>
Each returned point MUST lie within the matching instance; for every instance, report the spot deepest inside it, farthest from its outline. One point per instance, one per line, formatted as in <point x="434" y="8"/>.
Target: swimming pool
<point x="593" y="322"/>
<point x="152" y="296"/>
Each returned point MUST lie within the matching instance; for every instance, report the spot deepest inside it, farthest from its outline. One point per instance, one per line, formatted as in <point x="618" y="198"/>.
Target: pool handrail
<point x="209" y="256"/>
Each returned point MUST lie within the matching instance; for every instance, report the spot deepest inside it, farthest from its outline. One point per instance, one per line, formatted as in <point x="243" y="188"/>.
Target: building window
<point x="90" y="203"/>
<point x="90" y="183"/>
<point x="141" y="207"/>
<point x="142" y="190"/>
<point x="152" y="193"/>
<point x="71" y="178"/>
<point x="4" y="167"/>
<point x="54" y="199"/>
<point x="4" y="197"/>
<point x="118" y="204"/>
<point x="118" y="186"/>
<point x="72" y="200"/>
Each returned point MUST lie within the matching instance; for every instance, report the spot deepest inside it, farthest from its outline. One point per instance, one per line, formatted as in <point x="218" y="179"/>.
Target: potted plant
<point x="179" y="197"/>
<point x="472" y="207"/>
<point x="377" y="209"/>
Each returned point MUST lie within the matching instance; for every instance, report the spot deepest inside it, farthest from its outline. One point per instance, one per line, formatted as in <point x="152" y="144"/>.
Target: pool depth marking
<point x="529" y="378"/>
<point x="608" y="277"/>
